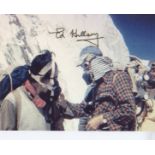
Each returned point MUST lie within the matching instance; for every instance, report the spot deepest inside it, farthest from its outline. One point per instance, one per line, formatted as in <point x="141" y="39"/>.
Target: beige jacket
<point x="18" y="112"/>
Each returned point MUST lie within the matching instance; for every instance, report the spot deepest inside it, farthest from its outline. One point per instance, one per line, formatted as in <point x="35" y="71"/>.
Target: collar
<point x="40" y="103"/>
<point x="108" y="75"/>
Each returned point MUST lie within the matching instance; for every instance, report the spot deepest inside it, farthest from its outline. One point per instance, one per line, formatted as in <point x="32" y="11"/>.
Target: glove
<point x="62" y="103"/>
<point x="95" y="122"/>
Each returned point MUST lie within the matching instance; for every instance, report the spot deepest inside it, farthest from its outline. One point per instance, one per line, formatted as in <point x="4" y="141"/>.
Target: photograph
<point x="77" y="72"/>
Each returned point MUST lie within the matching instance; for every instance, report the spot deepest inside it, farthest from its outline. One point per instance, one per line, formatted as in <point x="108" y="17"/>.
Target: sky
<point x="138" y="31"/>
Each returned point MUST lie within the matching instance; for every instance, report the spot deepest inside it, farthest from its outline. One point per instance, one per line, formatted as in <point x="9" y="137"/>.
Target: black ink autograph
<point x="92" y="38"/>
<point x="74" y="33"/>
<point x="59" y="33"/>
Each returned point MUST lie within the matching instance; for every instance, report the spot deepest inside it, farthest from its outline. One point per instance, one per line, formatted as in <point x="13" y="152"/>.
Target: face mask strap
<point x="38" y="77"/>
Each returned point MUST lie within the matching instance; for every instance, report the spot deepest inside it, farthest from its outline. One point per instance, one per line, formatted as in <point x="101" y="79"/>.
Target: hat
<point x="40" y="61"/>
<point x="89" y="50"/>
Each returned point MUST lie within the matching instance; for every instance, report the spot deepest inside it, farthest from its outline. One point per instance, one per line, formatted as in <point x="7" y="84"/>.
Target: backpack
<point x="10" y="79"/>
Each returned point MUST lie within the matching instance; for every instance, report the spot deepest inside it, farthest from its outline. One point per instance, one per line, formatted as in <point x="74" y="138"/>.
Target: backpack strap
<point x="7" y="71"/>
<point x="11" y="83"/>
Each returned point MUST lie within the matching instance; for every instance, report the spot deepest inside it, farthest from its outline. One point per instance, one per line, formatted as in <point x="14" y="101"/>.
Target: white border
<point x="76" y="147"/>
<point x="76" y="6"/>
<point x="75" y="135"/>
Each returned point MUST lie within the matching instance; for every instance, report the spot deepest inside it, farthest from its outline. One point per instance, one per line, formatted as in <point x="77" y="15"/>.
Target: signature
<point x="92" y="38"/>
<point x="59" y="33"/>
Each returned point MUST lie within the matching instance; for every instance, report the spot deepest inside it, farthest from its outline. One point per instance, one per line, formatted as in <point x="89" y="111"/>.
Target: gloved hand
<point x="62" y="103"/>
<point x="95" y="122"/>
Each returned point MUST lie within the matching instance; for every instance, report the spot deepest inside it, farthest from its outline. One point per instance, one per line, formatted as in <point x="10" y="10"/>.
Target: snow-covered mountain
<point x="23" y="36"/>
